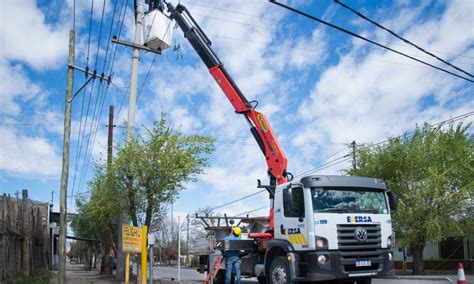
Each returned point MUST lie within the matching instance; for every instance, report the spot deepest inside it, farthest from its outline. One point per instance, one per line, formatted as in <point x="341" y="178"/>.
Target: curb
<point x="421" y="277"/>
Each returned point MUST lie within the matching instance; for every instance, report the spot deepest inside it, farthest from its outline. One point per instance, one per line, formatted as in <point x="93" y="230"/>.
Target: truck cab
<point x="331" y="227"/>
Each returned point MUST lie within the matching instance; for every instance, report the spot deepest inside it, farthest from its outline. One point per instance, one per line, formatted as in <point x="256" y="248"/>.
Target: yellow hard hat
<point x="237" y="231"/>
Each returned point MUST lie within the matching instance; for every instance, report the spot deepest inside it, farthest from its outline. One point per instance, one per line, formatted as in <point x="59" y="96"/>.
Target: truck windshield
<point x="348" y="200"/>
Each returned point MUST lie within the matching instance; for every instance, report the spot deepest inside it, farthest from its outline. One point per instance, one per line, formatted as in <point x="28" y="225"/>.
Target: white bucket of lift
<point x="157" y="30"/>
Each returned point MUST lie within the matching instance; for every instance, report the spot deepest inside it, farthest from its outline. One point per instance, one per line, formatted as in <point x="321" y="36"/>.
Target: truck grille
<point x="353" y="249"/>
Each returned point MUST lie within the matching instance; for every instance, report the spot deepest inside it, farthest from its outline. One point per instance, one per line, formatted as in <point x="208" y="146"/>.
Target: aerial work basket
<point x="157" y="30"/>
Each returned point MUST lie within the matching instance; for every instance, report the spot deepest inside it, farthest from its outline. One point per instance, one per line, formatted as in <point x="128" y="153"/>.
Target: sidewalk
<point x="77" y="275"/>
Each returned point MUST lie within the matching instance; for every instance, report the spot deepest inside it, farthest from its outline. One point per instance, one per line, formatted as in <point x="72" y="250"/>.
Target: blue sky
<point x="319" y="88"/>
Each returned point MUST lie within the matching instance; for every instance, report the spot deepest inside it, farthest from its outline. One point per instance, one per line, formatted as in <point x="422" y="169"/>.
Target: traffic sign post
<point x="134" y="240"/>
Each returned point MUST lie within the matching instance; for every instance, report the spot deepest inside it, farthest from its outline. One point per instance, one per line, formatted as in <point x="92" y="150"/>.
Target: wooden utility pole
<point x="110" y="136"/>
<point x="65" y="170"/>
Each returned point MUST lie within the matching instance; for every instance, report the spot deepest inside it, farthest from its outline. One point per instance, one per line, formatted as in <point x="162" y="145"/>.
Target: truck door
<point x="293" y="225"/>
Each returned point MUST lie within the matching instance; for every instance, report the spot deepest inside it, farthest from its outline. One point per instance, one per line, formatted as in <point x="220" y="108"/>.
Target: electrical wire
<point x="32" y="140"/>
<point x="400" y="37"/>
<point x="98" y="113"/>
<point x="453" y="119"/>
<point x="322" y="53"/>
<point x="100" y="34"/>
<point x="232" y="11"/>
<point x="276" y="21"/>
<point x="90" y="33"/>
<point x="237" y="200"/>
<point x="251" y="211"/>
<point x="368" y="40"/>
<point x="35" y="159"/>
<point x="347" y="157"/>
<point x="110" y="36"/>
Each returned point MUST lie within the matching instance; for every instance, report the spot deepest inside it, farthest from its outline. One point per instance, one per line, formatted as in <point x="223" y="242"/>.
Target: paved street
<point x="170" y="274"/>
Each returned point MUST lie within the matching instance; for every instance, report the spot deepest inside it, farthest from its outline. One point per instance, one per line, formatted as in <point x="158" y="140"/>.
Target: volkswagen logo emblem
<point x="361" y="234"/>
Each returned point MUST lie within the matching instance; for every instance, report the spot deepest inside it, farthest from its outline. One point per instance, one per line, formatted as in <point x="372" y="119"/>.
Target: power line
<point x="368" y="40"/>
<point x="347" y="157"/>
<point x="31" y="140"/>
<point x="29" y="124"/>
<point x="251" y="211"/>
<point x="32" y="112"/>
<point x="35" y="159"/>
<point x="98" y="112"/>
<point x="232" y="11"/>
<point x="321" y="166"/>
<point x="276" y="21"/>
<point x="237" y="200"/>
<point x="90" y="32"/>
<point x="100" y="34"/>
<point x="319" y="52"/>
<point x="400" y="37"/>
<point x="453" y="119"/>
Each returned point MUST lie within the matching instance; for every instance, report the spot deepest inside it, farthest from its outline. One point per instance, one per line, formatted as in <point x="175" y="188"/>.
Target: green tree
<point x="153" y="168"/>
<point x="432" y="173"/>
<point x="98" y="213"/>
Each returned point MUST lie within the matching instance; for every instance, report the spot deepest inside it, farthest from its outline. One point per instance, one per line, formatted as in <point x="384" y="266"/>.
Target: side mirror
<point x="392" y="200"/>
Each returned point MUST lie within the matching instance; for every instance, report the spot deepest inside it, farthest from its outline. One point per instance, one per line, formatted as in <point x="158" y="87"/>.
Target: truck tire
<point x="279" y="272"/>
<point x="220" y="277"/>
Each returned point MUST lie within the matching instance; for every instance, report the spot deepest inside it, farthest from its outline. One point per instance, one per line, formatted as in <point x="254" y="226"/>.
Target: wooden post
<point x="144" y="267"/>
<point x="127" y="267"/>
<point x="65" y="169"/>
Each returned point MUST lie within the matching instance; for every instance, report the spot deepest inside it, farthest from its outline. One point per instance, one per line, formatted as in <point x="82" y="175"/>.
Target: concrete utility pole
<point x="132" y="102"/>
<point x="65" y="170"/>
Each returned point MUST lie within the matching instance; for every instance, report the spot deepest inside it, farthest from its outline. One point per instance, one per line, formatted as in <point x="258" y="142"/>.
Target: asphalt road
<point x="192" y="276"/>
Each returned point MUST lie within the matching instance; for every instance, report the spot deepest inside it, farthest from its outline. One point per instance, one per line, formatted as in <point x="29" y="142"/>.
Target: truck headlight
<point x="389" y="242"/>
<point x="321" y="243"/>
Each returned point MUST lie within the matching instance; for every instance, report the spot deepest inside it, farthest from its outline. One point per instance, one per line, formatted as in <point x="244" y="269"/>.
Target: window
<point x="349" y="200"/>
<point x="293" y="202"/>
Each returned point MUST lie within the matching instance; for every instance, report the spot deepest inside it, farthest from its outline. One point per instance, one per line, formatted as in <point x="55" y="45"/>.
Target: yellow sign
<point x="131" y="239"/>
<point x="134" y="240"/>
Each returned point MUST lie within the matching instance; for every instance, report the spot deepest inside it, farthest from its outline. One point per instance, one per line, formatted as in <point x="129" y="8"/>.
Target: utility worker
<point x="232" y="258"/>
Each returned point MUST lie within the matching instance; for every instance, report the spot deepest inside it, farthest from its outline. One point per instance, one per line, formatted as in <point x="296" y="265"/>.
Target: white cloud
<point x="364" y="99"/>
<point x="16" y="88"/>
<point x="36" y="157"/>
<point x="26" y="36"/>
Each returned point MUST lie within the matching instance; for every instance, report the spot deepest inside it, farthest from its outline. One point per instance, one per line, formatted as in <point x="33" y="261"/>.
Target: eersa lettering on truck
<point x="319" y="227"/>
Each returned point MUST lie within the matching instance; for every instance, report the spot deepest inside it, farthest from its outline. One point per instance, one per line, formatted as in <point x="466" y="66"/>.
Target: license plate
<point x="363" y="263"/>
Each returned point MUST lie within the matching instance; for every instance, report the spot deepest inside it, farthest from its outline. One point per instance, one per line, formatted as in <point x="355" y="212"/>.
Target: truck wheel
<point x="220" y="277"/>
<point x="279" y="271"/>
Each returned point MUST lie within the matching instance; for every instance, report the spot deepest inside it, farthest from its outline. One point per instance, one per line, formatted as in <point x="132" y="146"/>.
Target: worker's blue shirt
<point x="229" y="253"/>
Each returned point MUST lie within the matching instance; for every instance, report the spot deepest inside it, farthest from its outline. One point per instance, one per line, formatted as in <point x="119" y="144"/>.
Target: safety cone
<point x="461" y="276"/>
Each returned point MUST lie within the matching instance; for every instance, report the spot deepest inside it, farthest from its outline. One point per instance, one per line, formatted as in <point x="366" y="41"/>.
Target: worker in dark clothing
<point x="232" y="258"/>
